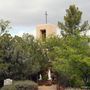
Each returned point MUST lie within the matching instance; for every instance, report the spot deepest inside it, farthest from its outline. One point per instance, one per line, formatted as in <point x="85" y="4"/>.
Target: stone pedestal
<point x="48" y="83"/>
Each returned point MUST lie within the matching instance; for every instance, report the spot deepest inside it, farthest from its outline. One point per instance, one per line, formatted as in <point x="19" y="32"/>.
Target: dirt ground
<point x="53" y="87"/>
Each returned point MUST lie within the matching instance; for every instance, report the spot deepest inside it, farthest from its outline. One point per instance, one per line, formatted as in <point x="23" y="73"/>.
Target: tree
<point x="5" y="55"/>
<point x="17" y="58"/>
<point x="72" y="22"/>
<point x="4" y="26"/>
<point x="71" y="59"/>
<point x="21" y="52"/>
<point x="4" y="46"/>
<point x="35" y="58"/>
<point x="80" y="46"/>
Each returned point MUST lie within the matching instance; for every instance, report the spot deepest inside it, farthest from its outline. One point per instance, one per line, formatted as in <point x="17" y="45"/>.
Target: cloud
<point x="28" y="13"/>
<point x="31" y="12"/>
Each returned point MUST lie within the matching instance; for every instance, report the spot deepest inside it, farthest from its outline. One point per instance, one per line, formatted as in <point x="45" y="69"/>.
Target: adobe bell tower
<point x="45" y="30"/>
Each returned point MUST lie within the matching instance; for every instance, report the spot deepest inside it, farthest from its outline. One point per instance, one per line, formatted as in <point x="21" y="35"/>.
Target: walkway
<point x="53" y="87"/>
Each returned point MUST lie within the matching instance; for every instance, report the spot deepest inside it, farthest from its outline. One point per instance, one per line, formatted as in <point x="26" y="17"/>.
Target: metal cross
<point x="74" y="2"/>
<point x="46" y="16"/>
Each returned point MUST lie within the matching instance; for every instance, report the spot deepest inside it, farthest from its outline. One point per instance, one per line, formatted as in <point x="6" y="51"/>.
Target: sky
<point x="25" y="15"/>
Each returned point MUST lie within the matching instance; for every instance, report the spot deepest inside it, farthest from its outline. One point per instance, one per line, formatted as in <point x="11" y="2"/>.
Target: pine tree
<point x="72" y="22"/>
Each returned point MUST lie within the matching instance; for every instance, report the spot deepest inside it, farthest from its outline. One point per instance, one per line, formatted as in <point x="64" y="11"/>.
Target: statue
<point x="49" y="75"/>
<point x="40" y="77"/>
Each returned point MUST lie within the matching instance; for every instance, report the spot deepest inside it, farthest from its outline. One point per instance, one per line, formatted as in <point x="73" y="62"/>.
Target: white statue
<point x="49" y="75"/>
<point x="40" y="77"/>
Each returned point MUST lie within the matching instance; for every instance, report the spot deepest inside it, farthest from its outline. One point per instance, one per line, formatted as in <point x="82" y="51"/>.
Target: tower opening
<point x="43" y="34"/>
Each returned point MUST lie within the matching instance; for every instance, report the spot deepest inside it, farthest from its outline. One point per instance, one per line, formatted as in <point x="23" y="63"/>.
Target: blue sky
<point x="25" y="15"/>
<point x="19" y="30"/>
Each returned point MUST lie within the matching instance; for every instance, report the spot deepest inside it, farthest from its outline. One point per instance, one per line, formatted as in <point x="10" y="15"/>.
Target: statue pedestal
<point x="40" y="82"/>
<point x="48" y="83"/>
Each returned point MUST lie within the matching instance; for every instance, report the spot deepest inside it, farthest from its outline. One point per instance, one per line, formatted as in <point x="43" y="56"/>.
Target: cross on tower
<point x="46" y="16"/>
<point x="74" y="2"/>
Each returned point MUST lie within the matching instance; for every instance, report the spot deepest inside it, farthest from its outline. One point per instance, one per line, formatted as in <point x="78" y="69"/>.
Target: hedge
<point x="21" y="85"/>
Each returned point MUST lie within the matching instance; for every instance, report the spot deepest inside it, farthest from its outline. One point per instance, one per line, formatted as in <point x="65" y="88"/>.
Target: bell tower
<point x="45" y="30"/>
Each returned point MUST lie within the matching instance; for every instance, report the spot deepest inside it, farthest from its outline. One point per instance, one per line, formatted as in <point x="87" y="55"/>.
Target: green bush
<point x="21" y="85"/>
<point x="9" y="87"/>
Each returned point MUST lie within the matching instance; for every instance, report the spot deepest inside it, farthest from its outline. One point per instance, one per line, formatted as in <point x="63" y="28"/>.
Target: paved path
<point x="53" y="87"/>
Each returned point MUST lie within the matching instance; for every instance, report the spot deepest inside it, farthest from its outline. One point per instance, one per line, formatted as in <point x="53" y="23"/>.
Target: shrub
<point x="9" y="87"/>
<point x="21" y="85"/>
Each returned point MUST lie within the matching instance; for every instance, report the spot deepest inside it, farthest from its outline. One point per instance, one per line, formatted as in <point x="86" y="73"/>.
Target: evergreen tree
<point x="72" y="22"/>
